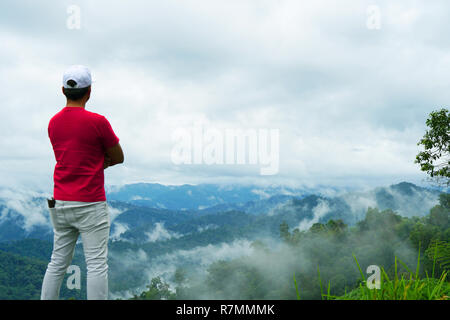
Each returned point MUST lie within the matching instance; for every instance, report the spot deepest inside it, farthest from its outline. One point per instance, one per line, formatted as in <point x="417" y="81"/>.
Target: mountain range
<point x="138" y="207"/>
<point x="155" y="228"/>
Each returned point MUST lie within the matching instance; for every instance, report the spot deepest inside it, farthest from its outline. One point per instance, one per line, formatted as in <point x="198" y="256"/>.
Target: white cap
<point x="78" y="73"/>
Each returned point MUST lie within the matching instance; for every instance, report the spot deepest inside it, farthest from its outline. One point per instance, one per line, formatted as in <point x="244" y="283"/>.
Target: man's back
<point x="84" y="145"/>
<point x="80" y="139"/>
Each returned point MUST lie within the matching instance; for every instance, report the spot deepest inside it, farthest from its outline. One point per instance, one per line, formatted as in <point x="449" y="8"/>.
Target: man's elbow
<point x="116" y="154"/>
<point x="118" y="160"/>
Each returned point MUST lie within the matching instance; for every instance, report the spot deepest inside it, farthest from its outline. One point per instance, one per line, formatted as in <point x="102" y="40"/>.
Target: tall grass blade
<point x="296" y="288"/>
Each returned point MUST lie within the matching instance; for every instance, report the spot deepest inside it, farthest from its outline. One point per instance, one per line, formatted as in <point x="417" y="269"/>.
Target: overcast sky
<point x="348" y="95"/>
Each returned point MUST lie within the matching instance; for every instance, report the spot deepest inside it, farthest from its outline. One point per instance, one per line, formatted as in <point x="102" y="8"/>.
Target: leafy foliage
<point x="157" y="290"/>
<point x="409" y="286"/>
<point x="440" y="250"/>
<point x="435" y="159"/>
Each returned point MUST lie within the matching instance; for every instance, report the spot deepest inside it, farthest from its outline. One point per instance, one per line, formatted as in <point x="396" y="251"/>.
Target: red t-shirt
<point x="80" y="139"/>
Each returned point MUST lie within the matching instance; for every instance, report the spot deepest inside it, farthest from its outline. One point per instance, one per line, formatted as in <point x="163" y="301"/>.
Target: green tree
<point x="444" y="200"/>
<point x="439" y="216"/>
<point x="157" y="290"/>
<point x="179" y="276"/>
<point x="435" y="159"/>
<point x="284" y="231"/>
<point x="439" y="251"/>
<point x="317" y="227"/>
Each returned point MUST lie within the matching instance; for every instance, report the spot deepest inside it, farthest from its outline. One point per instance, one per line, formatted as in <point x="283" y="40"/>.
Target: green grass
<point x="401" y="286"/>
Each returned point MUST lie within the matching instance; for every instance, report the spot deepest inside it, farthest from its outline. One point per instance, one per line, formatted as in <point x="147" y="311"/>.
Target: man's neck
<point x="76" y="104"/>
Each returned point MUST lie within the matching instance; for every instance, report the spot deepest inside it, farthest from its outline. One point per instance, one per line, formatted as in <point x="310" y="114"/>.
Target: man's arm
<point x="113" y="156"/>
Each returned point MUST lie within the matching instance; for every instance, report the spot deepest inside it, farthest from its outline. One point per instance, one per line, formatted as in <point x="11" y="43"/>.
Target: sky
<point x="345" y="86"/>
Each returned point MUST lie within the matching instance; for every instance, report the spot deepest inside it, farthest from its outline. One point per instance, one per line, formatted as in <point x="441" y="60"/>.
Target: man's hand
<point x="107" y="162"/>
<point x="113" y="156"/>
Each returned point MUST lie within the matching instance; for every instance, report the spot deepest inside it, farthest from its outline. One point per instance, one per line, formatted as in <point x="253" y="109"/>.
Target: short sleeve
<point x="107" y="136"/>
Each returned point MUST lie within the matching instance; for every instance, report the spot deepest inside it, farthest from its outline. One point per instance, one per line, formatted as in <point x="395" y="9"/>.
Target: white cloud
<point x="350" y="103"/>
<point x="119" y="229"/>
<point x="261" y="193"/>
<point x="318" y="211"/>
<point x="165" y="265"/>
<point x="159" y="233"/>
<point x="27" y="204"/>
<point x="114" y="212"/>
<point x="207" y="227"/>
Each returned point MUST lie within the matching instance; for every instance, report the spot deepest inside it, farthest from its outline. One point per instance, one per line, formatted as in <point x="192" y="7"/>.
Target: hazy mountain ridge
<point x="24" y="215"/>
<point x="193" y="197"/>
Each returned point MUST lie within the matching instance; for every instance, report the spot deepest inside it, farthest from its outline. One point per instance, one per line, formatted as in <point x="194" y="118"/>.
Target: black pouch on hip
<point x="51" y="202"/>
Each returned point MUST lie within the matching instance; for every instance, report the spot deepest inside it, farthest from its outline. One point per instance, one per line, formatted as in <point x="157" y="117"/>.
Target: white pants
<point x="92" y="221"/>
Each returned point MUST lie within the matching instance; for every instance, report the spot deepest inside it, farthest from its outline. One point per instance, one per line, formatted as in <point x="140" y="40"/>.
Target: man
<point x="84" y="145"/>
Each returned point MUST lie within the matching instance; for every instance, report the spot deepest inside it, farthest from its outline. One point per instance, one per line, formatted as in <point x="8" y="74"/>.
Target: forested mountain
<point x="322" y="257"/>
<point x="23" y="264"/>
<point x="151" y="242"/>
<point x="193" y="197"/>
<point x="24" y="215"/>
